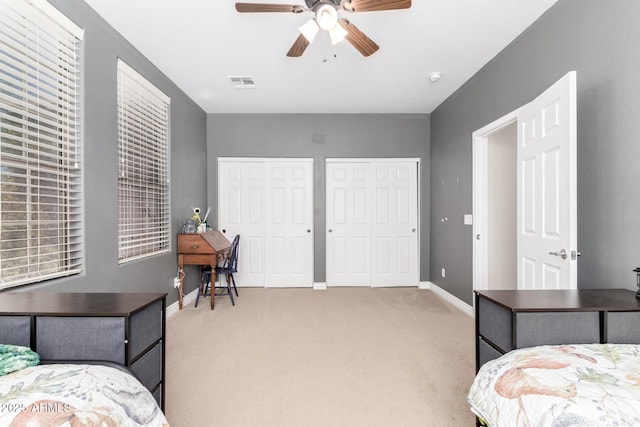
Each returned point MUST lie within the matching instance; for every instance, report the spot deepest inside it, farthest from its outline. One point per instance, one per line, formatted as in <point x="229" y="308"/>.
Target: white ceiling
<point x="200" y="43"/>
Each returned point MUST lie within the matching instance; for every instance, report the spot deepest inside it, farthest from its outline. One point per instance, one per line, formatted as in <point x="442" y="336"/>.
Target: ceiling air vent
<point x="243" y="82"/>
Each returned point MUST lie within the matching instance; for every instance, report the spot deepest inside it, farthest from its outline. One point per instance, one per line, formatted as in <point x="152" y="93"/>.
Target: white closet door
<point x="348" y="224"/>
<point x="394" y="230"/>
<point x="372" y="222"/>
<point x="289" y="223"/>
<point x="269" y="202"/>
<point x="241" y="211"/>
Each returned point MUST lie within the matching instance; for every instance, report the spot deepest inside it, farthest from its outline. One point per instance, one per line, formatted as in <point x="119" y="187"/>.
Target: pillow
<point x="15" y="357"/>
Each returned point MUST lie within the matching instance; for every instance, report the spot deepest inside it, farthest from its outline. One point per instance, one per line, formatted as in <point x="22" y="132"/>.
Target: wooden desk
<point x="200" y="249"/>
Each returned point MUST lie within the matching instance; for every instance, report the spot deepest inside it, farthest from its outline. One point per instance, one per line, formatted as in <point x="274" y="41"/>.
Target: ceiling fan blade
<point x="358" y="39"/>
<point x="298" y="47"/>
<point x="268" y="7"/>
<point x="376" y="5"/>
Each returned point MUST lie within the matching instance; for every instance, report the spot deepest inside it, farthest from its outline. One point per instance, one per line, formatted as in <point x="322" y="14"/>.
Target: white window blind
<point x="144" y="214"/>
<point x="41" y="215"/>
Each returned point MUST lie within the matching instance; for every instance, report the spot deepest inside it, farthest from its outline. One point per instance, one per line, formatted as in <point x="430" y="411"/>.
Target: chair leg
<point x="234" y="284"/>
<point x="204" y="285"/>
<point x="229" y="289"/>
<point x="199" y="289"/>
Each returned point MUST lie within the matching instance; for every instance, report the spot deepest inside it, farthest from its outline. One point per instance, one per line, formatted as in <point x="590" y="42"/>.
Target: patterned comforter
<point x="592" y="385"/>
<point x="76" y="395"/>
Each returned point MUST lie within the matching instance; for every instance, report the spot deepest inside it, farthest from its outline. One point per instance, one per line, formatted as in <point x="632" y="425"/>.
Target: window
<point x="144" y="214"/>
<point x="41" y="215"/>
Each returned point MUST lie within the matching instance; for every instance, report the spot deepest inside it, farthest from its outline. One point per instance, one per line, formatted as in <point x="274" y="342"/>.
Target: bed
<point x="560" y="386"/>
<point x="71" y="394"/>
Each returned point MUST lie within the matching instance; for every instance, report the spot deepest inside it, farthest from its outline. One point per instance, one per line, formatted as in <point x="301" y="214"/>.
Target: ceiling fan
<point x="326" y="18"/>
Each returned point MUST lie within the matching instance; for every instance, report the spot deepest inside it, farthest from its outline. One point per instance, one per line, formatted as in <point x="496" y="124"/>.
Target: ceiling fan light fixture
<point x="309" y="30"/>
<point x="337" y="34"/>
<point x="327" y="17"/>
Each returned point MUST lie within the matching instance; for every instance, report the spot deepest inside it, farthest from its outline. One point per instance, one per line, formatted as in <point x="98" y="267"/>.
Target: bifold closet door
<point x="348" y="224"/>
<point x="289" y="223"/>
<point x="394" y="223"/>
<point x="372" y="222"/>
<point x="241" y="211"/>
<point x="269" y="202"/>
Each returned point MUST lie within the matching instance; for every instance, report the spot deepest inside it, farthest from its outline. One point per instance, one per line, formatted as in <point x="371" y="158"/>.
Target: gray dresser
<point x="125" y="328"/>
<point x="506" y="320"/>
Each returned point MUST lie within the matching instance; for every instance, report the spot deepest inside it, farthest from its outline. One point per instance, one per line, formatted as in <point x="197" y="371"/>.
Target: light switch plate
<point x="468" y="219"/>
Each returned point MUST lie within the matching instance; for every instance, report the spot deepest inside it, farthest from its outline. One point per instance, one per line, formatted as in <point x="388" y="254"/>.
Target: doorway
<point x="495" y="205"/>
<point x="545" y="231"/>
<point x="502" y="208"/>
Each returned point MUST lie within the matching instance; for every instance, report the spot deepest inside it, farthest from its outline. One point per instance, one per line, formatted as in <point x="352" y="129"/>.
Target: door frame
<point x="480" y="144"/>
<point x="328" y="160"/>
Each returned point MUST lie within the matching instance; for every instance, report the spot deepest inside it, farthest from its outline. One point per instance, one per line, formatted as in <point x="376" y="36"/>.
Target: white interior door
<point x="394" y="224"/>
<point x="289" y="223"/>
<point x="269" y="202"/>
<point x="241" y="187"/>
<point x="547" y="202"/>
<point x="348" y="224"/>
<point x="372" y="222"/>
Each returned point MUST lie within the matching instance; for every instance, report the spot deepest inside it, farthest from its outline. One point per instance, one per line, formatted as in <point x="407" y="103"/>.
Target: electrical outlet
<point x="443" y="273"/>
<point x="176" y="282"/>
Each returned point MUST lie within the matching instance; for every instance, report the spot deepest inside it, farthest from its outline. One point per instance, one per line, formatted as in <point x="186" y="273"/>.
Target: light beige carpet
<point x="340" y="357"/>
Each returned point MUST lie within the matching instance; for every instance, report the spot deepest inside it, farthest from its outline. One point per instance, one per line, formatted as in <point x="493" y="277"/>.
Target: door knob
<point x="308" y="231"/>
<point x="562" y="253"/>
<point x="330" y="230"/>
<point x="413" y="230"/>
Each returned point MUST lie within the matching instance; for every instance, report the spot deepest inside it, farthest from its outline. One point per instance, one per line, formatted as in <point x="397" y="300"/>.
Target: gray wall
<point x="600" y="40"/>
<point x="102" y="47"/>
<point x="321" y="136"/>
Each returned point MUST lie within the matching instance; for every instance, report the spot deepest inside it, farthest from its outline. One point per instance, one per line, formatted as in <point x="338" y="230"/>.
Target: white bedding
<point x="592" y="385"/>
<point x="76" y="395"/>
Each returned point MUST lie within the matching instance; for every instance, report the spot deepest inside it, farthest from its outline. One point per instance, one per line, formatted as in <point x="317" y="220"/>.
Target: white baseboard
<point x="457" y="302"/>
<point x="187" y="299"/>
<point x="424" y="285"/>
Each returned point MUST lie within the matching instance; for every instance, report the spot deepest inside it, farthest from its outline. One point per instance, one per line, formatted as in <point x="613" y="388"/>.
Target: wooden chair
<point x="227" y="269"/>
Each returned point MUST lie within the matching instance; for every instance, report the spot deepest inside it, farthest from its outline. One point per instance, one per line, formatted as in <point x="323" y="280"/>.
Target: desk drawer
<point x="486" y="352"/>
<point x="148" y="368"/>
<point x="495" y="324"/>
<point x="193" y="244"/>
<point x="81" y="338"/>
<point x="145" y="329"/>
<point x="622" y="327"/>
<point x="553" y="328"/>
<point x="15" y="330"/>
<point x="192" y="259"/>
